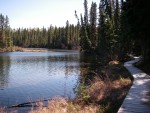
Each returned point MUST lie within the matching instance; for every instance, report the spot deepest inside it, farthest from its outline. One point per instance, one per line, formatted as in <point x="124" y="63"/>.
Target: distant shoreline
<point x="21" y="49"/>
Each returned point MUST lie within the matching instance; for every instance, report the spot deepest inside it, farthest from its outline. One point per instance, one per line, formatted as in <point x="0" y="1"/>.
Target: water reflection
<point x="30" y="76"/>
<point x="4" y="71"/>
<point x="89" y="66"/>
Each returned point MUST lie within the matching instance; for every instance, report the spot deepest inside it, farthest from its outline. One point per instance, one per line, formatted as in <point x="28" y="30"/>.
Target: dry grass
<point x="98" y="89"/>
<point x="103" y="96"/>
<point x="15" y="48"/>
<point x="28" y="49"/>
<point x="11" y="49"/>
<point x="113" y="62"/>
<point x="21" y="49"/>
<point x="60" y="105"/>
<point x="108" y="88"/>
<point x="102" y="89"/>
<point x="8" y="49"/>
<point x="2" y="110"/>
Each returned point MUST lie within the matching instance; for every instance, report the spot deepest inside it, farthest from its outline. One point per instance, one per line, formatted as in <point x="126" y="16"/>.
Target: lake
<point x="32" y="76"/>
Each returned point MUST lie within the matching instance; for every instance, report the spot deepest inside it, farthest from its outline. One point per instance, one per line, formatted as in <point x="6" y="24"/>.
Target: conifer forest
<point x="112" y="28"/>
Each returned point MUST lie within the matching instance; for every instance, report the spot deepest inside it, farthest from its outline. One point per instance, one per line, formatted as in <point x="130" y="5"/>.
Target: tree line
<point x="100" y="30"/>
<point x="118" y="28"/>
<point x="112" y="28"/>
<point x="54" y="37"/>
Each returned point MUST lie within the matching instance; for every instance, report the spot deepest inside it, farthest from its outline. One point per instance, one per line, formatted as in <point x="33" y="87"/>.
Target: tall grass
<point x="61" y="105"/>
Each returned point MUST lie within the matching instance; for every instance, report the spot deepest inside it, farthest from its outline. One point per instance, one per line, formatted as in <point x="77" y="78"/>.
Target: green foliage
<point x="109" y="29"/>
<point x="104" y="37"/>
<point x="105" y="109"/>
<point x="120" y="27"/>
<point x="84" y="97"/>
<point x="93" y="22"/>
<point x="9" y="42"/>
<point x="85" y="41"/>
<point x="5" y="39"/>
<point x="53" y="37"/>
<point x="102" y="30"/>
<point x="135" y="27"/>
<point x="88" y="29"/>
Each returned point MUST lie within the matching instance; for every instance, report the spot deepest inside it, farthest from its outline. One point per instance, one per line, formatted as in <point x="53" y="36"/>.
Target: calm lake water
<point x="31" y="76"/>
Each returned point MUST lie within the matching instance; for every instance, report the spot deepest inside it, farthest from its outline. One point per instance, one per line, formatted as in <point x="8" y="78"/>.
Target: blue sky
<point x="39" y="13"/>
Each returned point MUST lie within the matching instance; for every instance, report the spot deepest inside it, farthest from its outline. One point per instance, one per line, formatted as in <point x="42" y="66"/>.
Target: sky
<point x="39" y="13"/>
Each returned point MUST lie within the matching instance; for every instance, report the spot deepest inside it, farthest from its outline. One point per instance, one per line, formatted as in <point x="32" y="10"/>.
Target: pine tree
<point x="5" y="39"/>
<point x="67" y="41"/>
<point x="2" y="32"/>
<point x="93" y="22"/>
<point x="117" y="17"/>
<point x="136" y="22"/>
<point x="86" y="12"/>
<point x="102" y="30"/>
<point x="50" y="35"/>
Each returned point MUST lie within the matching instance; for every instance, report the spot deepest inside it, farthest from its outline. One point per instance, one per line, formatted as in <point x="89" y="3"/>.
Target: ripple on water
<point x="30" y="76"/>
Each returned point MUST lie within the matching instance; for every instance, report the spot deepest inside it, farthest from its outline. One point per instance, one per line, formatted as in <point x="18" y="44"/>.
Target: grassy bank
<point x="104" y="92"/>
<point x="102" y="89"/>
<point x="106" y="88"/>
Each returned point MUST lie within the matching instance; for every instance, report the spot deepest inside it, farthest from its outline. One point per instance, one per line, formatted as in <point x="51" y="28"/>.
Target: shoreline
<point x="20" y="49"/>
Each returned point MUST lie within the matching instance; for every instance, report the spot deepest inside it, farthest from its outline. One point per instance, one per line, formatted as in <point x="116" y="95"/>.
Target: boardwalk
<point x="138" y="98"/>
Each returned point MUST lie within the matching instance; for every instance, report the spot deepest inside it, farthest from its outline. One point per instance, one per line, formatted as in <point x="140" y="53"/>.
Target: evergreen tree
<point x="85" y="42"/>
<point x="67" y="41"/>
<point x="136" y="22"/>
<point x="116" y="17"/>
<point x="102" y="30"/>
<point x="50" y="35"/>
<point x="93" y="22"/>
<point x="86" y="12"/>
<point x="2" y="32"/>
<point x="5" y="39"/>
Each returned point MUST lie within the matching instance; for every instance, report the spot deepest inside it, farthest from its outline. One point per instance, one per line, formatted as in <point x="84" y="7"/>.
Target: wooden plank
<point x="138" y="97"/>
